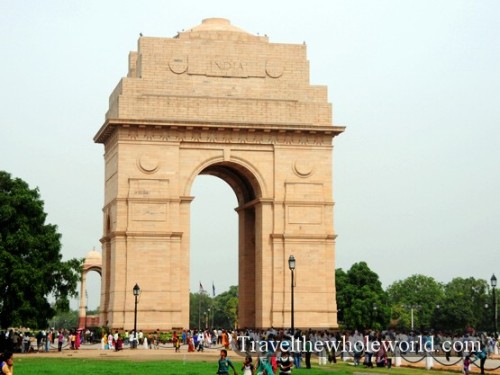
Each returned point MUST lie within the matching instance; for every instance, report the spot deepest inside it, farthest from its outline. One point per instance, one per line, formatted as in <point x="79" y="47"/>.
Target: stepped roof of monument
<point x="217" y="26"/>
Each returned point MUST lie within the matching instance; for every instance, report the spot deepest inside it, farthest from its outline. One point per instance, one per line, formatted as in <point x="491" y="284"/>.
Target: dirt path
<point x="132" y="354"/>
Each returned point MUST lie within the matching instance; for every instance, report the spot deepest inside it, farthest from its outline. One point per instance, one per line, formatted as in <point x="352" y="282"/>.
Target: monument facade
<point x="217" y="100"/>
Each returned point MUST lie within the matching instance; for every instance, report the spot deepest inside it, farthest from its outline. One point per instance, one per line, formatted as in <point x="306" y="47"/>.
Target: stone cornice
<point x="240" y="133"/>
<point x="140" y="234"/>
<point x="303" y="237"/>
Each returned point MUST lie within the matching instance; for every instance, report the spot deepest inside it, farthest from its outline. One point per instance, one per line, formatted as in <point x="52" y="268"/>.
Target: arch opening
<point x="214" y="243"/>
<point x="92" y="267"/>
<point x="243" y="183"/>
<point x="216" y="229"/>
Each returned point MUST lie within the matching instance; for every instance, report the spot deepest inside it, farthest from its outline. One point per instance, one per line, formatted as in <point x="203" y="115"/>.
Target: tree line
<point x="418" y="302"/>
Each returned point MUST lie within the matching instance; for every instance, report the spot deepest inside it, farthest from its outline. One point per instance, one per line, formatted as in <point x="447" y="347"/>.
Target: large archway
<point x="92" y="263"/>
<point x="217" y="100"/>
<point x="248" y="192"/>
<point x="214" y="231"/>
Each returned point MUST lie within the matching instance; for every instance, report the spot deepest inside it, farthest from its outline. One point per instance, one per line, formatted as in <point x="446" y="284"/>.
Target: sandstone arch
<point x="218" y="100"/>
<point x="92" y="262"/>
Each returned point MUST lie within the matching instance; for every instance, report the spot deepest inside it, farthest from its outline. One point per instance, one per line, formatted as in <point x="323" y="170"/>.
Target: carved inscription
<point x="148" y="188"/>
<point x="225" y="67"/>
<point x="228" y="136"/>
<point x="148" y="212"/>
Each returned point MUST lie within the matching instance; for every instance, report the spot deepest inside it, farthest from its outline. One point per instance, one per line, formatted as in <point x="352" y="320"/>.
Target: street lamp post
<point x="411" y="312"/>
<point x="86" y="310"/>
<point x="291" y="265"/>
<point x="136" y="291"/>
<point x="412" y="308"/>
<point x="493" y="281"/>
<point x="374" y="312"/>
<point x="437" y="316"/>
<point x="485" y="317"/>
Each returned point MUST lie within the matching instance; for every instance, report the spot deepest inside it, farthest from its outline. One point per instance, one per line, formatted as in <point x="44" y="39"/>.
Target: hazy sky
<point x="417" y="83"/>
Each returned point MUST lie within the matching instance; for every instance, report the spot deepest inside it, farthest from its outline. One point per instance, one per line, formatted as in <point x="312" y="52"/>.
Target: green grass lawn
<point x="68" y="366"/>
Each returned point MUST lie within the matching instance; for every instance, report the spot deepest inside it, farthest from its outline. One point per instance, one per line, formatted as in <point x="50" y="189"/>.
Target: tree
<point x="360" y="298"/>
<point x="464" y="305"/>
<point x="199" y="304"/>
<point x="31" y="266"/>
<point x="231" y="309"/>
<point x="416" y="297"/>
<point x="65" y="320"/>
<point x="222" y="310"/>
<point x="225" y="308"/>
<point x="341" y="289"/>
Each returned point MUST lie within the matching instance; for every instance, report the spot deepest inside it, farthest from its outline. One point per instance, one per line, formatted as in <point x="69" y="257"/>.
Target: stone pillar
<point x="82" y="316"/>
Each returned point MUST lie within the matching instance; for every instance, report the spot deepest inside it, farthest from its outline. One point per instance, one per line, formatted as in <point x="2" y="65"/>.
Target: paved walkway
<point x="164" y="353"/>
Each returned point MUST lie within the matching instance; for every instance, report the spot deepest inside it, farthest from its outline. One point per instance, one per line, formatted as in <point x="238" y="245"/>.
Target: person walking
<point x="248" y="367"/>
<point x="224" y="364"/>
<point x="481" y="355"/>
<point x="225" y="339"/>
<point x="60" y="340"/>
<point x="368" y="350"/>
<point x="263" y="366"/>
<point x="285" y="362"/>
<point x="308" y="351"/>
<point x="467" y="362"/>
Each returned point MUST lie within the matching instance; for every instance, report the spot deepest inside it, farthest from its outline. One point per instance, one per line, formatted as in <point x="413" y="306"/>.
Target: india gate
<point x="217" y="100"/>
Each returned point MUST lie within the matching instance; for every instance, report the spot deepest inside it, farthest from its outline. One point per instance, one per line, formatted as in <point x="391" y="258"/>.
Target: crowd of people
<point x="369" y="348"/>
<point x="194" y="340"/>
<point x="271" y="349"/>
<point x="25" y="340"/>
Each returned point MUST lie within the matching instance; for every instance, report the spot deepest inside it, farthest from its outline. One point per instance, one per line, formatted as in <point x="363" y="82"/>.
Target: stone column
<point x="82" y="316"/>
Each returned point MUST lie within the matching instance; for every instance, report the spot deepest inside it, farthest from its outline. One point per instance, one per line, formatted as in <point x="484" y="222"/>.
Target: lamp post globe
<point x="136" y="291"/>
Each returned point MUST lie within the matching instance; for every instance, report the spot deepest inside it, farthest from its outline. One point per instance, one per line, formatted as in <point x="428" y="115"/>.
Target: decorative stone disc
<point x="178" y="64"/>
<point x="303" y="168"/>
<point x="148" y="163"/>
<point x="274" y="68"/>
